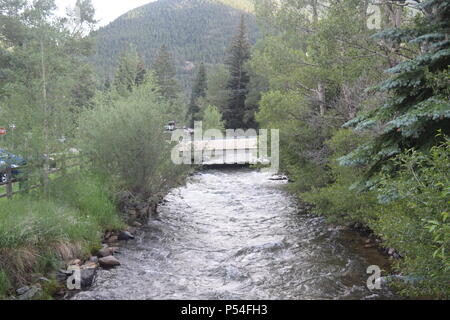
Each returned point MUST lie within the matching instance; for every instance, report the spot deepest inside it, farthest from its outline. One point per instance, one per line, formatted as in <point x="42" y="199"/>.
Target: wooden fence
<point x="9" y="180"/>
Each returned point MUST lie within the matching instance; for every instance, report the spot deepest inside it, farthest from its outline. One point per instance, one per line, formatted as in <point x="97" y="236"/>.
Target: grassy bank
<point x="38" y="234"/>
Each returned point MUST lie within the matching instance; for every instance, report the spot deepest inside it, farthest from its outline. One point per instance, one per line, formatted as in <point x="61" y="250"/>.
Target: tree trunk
<point x="321" y="96"/>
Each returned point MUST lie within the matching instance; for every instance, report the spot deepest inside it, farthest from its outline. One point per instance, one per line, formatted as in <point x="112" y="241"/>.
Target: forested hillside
<point x="194" y="31"/>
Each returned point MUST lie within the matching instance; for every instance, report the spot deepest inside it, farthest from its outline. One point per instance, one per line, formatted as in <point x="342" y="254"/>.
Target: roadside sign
<point x="3" y="131"/>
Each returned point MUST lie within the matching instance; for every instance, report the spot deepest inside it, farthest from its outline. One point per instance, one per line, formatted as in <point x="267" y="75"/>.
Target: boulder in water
<point x="105" y="252"/>
<point x="87" y="277"/>
<point x="125" y="235"/>
<point x="109" y="262"/>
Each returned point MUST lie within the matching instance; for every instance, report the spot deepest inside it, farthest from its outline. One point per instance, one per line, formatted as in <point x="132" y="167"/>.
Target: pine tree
<point x="165" y="73"/>
<point x="419" y="105"/>
<point x="198" y="91"/>
<point x="127" y="72"/>
<point x="239" y="53"/>
<point x="141" y="71"/>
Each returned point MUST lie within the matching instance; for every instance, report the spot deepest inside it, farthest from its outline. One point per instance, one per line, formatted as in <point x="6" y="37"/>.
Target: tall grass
<point x="37" y="235"/>
<point x="90" y="195"/>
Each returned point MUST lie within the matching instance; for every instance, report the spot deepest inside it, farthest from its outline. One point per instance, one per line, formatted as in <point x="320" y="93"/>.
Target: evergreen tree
<point x="239" y="53"/>
<point x="198" y="91"/>
<point x="217" y="93"/>
<point x="165" y="73"/>
<point x="141" y="71"/>
<point x="419" y="105"/>
<point x="128" y="72"/>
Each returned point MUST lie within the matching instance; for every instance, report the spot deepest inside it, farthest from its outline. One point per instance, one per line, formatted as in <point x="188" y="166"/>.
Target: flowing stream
<point x="235" y="234"/>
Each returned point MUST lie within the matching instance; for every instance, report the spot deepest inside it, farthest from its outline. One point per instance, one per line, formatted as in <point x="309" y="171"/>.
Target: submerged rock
<point x="279" y="178"/>
<point x="267" y="247"/>
<point x="234" y="273"/>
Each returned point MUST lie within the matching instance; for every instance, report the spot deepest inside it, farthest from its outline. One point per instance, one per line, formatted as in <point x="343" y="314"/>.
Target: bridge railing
<point x="239" y="150"/>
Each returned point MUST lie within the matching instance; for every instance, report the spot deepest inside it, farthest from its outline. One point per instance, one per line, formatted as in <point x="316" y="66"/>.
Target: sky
<point x="106" y="10"/>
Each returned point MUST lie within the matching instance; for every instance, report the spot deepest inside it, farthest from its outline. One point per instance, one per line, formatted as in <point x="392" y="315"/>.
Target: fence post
<point x="63" y="165"/>
<point x="81" y="161"/>
<point x="9" y="185"/>
<point x="44" y="177"/>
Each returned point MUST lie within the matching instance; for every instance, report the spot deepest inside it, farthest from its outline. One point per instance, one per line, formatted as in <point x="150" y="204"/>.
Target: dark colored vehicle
<point x="8" y="159"/>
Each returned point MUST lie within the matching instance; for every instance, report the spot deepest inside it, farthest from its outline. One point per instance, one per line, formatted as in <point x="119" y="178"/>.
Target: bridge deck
<point x="240" y="150"/>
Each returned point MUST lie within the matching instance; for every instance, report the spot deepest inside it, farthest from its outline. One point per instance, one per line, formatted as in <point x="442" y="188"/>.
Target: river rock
<point x="112" y="239"/>
<point x="115" y="250"/>
<point x="62" y="275"/>
<point x="125" y="235"/>
<point x="108" y="262"/>
<point x="22" y="290"/>
<point x="138" y="205"/>
<point x="87" y="277"/>
<point x="131" y="230"/>
<point x="31" y="293"/>
<point x="89" y="265"/>
<point x="278" y="178"/>
<point x="357" y="226"/>
<point x="132" y="212"/>
<point x="93" y="259"/>
<point x="76" y="262"/>
<point x="105" y="252"/>
<point x="137" y="224"/>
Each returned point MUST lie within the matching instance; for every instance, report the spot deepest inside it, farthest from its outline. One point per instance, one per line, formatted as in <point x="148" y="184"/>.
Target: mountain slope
<point x="194" y="30"/>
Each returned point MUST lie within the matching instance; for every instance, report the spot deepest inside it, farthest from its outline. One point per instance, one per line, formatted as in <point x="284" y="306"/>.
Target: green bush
<point x="338" y="201"/>
<point x="212" y="119"/>
<point x="414" y="218"/>
<point x="125" y="137"/>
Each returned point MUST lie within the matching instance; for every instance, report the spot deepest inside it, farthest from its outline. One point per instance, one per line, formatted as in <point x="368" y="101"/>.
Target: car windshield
<point x="3" y="155"/>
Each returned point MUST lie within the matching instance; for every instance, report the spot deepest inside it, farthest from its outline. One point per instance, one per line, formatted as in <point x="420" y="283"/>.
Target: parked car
<point x="171" y="126"/>
<point x="8" y="159"/>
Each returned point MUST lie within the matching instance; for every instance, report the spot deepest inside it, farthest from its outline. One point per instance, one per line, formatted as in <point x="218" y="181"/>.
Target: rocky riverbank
<point x="134" y="212"/>
<point x="372" y="241"/>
